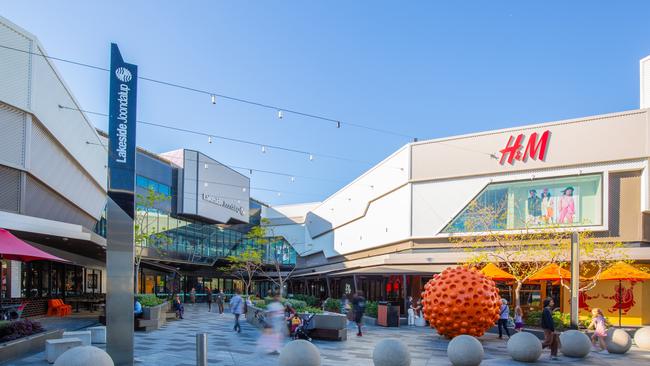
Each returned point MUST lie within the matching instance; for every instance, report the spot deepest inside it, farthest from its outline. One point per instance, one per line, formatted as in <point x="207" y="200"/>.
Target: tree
<point x="147" y="234"/>
<point x="245" y="265"/>
<point x="277" y="250"/>
<point x="525" y="251"/>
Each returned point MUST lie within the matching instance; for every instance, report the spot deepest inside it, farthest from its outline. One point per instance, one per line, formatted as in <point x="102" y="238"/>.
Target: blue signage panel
<point x="120" y="209"/>
<point x="121" y="130"/>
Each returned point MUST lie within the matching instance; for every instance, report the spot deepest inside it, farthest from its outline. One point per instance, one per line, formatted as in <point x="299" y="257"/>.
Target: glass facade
<point x="561" y="202"/>
<point x="195" y="241"/>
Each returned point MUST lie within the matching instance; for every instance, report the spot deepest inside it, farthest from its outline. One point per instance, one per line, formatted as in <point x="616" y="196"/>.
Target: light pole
<point x="575" y="278"/>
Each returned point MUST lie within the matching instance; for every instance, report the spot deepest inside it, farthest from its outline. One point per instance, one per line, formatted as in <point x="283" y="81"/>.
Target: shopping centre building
<point x="53" y="195"/>
<point x="390" y="230"/>
<point x="385" y="233"/>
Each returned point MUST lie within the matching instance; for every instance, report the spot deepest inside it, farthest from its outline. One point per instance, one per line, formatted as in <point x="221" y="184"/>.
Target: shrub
<point x="310" y="300"/>
<point x="149" y="300"/>
<point x="20" y="328"/>
<point x="333" y="305"/>
<point x="371" y="308"/>
<point x="259" y="304"/>
<point x="298" y="305"/>
<point x="312" y="310"/>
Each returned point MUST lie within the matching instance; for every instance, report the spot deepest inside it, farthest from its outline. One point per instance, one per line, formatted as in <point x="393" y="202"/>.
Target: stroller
<point x="303" y="331"/>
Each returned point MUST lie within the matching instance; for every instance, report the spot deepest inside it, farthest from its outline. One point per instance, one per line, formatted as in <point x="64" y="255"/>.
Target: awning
<point x="157" y="265"/>
<point x="551" y="272"/>
<point x="410" y="269"/>
<point x="15" y="249"/>
<point x="496" y="273"/>
<point x="316" y="273"/>
<point x="622" y="271"/>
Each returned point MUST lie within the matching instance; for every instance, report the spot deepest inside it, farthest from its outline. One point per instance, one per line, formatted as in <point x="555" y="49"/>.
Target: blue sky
<point x="428" y="69"/>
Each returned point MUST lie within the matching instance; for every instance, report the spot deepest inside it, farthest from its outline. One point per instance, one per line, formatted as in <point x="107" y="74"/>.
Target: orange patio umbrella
<point x="621" y="271"/>
<point x="551" y="272"/>
<point x="495" y="273"/>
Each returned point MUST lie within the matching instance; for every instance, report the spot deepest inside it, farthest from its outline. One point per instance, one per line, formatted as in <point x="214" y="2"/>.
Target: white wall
<point x="350" y="203"/>
<point x="371" y="211"/>
<point x="644" y="80"/>
<point x="61" y="147"/>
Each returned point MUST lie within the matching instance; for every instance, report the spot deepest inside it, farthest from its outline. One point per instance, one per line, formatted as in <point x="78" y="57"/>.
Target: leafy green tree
<point x="147" y="234"/>
<point x="276" y="249"/>
<point x="245" y="265"/>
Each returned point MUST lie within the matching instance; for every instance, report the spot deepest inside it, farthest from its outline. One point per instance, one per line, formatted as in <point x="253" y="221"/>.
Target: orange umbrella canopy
<point x="551" y="272"/>
<point x="496" y="273"/>
<point x="622" y="271"/>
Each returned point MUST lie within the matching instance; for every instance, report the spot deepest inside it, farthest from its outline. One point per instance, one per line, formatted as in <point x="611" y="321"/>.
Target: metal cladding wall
<point x="43" y="202"/>
<point x="10" y="188"/>
<point x="212" y="190"/>
<point x="59" y="147"/>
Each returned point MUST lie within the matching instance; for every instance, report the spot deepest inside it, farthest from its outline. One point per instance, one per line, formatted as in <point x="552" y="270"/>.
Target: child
<point x="519" y="319"/>
<point x="600" y="329"/>
<point x="295" y="323"/>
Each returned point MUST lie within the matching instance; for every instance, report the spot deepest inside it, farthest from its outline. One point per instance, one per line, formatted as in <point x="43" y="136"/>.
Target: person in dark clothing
<point x="358" y="308"/>
<point x="178" y="307"/>
<point x="208" y="297"/>
<point x="551" y="339"/>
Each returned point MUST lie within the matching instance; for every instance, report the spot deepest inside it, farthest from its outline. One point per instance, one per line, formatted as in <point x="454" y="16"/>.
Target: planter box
<point x="153" y="317"/>
<point x="250" y="316"/>
<point x="27" y="345"/>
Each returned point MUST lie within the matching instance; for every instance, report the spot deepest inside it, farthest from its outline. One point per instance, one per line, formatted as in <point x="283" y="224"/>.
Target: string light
<point x="263" y="149"/>
<point x="338" y="124"/>
<point x="234" y="140"/>
<point x="209" y="139"/>
<point x="213" y="95"/>
<point x="293" y="179"/>
<point x="205" y="184"/>
<point x="311" y="157"/>
<point x="280" y="116"/>
<point x="206" y="166"/>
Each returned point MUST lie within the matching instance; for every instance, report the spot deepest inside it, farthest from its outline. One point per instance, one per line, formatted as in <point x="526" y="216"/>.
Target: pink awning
<point x="15" y="249"/>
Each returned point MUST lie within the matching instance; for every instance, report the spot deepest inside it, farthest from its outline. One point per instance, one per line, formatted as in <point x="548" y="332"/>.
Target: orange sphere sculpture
<point x="459" y="301"/>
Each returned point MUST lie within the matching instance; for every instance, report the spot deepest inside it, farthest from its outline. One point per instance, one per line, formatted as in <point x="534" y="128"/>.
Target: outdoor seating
<point x="58" y="307"/>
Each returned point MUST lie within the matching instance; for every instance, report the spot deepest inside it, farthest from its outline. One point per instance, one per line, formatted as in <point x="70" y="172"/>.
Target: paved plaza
<point x="174" y="344"/>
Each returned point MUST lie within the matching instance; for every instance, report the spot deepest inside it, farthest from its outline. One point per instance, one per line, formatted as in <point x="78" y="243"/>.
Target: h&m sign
<point x="535" y="148"/>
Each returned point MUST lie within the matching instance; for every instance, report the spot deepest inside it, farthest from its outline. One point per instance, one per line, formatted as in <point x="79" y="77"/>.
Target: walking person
<point x="193" y="296"/>
<point x="600" y="329"/>
<point x="237" y="308"/>
<point x="219" y="298"/>
<point x="551" y="339"/>
<point x="504" y="315"/>
<point x="275" y="314"/>
<point x="208" y="298"/>
<point x="358" y="308"/>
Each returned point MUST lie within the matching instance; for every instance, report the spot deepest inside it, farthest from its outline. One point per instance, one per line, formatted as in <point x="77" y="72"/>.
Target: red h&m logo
<point x="535" y="148"/>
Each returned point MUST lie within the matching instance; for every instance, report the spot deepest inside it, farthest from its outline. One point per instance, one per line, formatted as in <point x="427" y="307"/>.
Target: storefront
<point x="420" y="207"/>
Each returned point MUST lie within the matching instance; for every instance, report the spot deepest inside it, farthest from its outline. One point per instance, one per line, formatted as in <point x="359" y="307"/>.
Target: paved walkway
<point x="174" y="344"/>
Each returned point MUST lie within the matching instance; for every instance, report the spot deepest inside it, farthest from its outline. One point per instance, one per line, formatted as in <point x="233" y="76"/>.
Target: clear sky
<point x="429" y="69"/>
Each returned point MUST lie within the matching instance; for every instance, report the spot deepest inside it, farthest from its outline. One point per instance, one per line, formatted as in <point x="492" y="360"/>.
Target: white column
<point x="16" y="273"/>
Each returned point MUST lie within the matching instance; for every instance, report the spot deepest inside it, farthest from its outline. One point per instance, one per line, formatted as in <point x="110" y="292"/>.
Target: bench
<point x="147" y="324"/>
<point x="329" y="334"/>
<point x="83" y="335"/>
<point x="55" y="347"/>
<point x="97" y="334"/>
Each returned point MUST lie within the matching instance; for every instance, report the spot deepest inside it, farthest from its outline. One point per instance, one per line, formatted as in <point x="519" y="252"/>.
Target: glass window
<point x="141" y="181"/>
<point x="566" y="201"/>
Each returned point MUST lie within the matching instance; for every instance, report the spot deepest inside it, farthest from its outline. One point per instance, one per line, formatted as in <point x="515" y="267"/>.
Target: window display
<point x="566" y="201"/>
